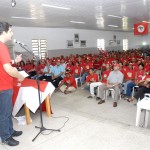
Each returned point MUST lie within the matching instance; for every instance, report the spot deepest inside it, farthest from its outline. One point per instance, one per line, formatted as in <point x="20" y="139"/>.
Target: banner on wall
<point x="141" y="28"/>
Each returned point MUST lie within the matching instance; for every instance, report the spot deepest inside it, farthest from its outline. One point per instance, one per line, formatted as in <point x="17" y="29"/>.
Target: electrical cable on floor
<point x="60" y="127"/>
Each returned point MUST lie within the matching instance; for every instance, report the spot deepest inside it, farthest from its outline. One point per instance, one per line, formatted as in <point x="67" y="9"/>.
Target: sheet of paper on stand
<point x="23" y="73"/>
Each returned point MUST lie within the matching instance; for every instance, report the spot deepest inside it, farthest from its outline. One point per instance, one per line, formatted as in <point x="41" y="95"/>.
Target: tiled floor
<point x="90" y="126"/>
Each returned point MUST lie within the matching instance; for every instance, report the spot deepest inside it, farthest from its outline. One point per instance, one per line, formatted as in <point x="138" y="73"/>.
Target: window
<point x="101" y="44"/>
<point x="125" y="44"/>
<point x="39" y="47"/>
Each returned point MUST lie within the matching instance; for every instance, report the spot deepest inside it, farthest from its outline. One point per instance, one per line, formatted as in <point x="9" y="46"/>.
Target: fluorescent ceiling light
<point x="113" y="26"/>
<point x="146" y="21"/>
<point x="114" y="16"/>
<point x="23" y="17"/>
<point x="52" y="6"/>
<point x="77" y="22"/>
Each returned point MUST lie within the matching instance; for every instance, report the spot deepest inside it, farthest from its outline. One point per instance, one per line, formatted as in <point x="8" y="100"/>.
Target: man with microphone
<point x="7" y="73"/>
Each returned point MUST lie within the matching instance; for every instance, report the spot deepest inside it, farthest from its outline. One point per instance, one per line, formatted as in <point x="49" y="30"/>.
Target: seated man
<point x="47" y="72"/>
<point x="91" y="78"/>
<point x="129" y="77"/>
<point x="85" y="72"/>
<point x="103" y="81"/>
<point x="68" y="84"/>
<point x="144" y="87"/>
<point x="114" y="79"/>
<point x="57" y="73"/>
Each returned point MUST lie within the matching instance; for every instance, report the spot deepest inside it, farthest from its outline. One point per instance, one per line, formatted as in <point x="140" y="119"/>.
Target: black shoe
<point x="16" y="133"/>
<point x="101" y="102"/>
<point x="90" y="96"/>
<point x="98" y="98"/>
<point x="11" y="142"/>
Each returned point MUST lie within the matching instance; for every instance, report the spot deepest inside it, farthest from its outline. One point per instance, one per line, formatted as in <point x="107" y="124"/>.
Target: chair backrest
<point x="147" y="95"/>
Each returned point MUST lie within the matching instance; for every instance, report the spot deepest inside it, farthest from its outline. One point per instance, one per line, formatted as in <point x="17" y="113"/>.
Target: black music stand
<point x="42" y="128"/>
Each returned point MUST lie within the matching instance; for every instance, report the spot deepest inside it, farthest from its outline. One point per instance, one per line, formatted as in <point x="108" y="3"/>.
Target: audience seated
<point x="131" y="64"/>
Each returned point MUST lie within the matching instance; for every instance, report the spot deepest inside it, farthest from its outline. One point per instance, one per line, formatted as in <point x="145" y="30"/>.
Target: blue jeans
<point x="129" y="88"/>
<point x="87" y="87"/>
<point x="84" y="77"/>
<point x="6" y="125"/>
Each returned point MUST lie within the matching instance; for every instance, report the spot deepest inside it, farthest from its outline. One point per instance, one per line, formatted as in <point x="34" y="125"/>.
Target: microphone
<point x="18" y="42"/>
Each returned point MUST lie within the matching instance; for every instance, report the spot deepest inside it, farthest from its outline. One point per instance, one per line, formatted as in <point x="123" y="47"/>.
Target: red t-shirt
<point x="105" y="76"/>
<point x="140" y="75"/>
<point x="77" y="70"/>
<point x="147" y="77"/>
<point x="6" y="81"/>
<point x="92" y="78"/>
<point x="70" y="68"/>
<point x="97" y="65"/>
<point x="130" y="74"/>
<point x="87" y="66"/>
<point x="70" y="81"/>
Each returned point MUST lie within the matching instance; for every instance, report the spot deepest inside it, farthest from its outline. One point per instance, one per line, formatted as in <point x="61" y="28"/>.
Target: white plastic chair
<point x="143" y="104"/>
<point x="109" y="90"/>
<point x="112" y="93"/>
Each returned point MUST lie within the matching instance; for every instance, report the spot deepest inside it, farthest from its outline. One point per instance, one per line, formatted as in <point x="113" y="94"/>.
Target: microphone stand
<point x="42" y="128"/>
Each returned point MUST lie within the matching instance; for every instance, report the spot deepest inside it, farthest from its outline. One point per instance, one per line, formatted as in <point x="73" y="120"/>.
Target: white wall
<point x="57" y="37"/>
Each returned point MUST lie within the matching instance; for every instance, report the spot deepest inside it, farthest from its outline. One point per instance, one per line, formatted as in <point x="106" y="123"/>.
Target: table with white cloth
<point x="26" y="93"/>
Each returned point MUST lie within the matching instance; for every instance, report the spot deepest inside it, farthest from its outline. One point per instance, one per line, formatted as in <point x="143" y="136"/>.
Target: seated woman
<point x="144" y="87"/>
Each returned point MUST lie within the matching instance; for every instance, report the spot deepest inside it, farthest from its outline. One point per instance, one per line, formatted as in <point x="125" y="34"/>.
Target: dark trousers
<point x="56" y="81"/>
<point x="141" y="91"/>
<point x="47" y="78"/>
<point x="6" y="125"/>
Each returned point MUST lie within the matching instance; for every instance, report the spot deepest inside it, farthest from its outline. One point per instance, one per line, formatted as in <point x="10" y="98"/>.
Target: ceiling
<point x="92" y="14"/>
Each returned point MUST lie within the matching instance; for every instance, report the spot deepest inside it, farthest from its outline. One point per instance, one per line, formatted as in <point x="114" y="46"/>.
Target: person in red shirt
<point x="88" y="64"/>
<point x="7" y="72"/>
<point x="97" y="64"/>
<point x="138" y="77"/>
<point x="103" y="81"/>
<point x="140" y="73"/>
<point x="129" y="77"/>
<point x="70" y="66"/>
<point x="92" y="77"/>
<point x="144" y="87"/>
<point x="77" y="70"/>
<point x="68" y="84"/>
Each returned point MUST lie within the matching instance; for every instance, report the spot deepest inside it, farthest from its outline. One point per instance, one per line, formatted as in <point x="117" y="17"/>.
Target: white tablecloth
<point x="29" y="95"/>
